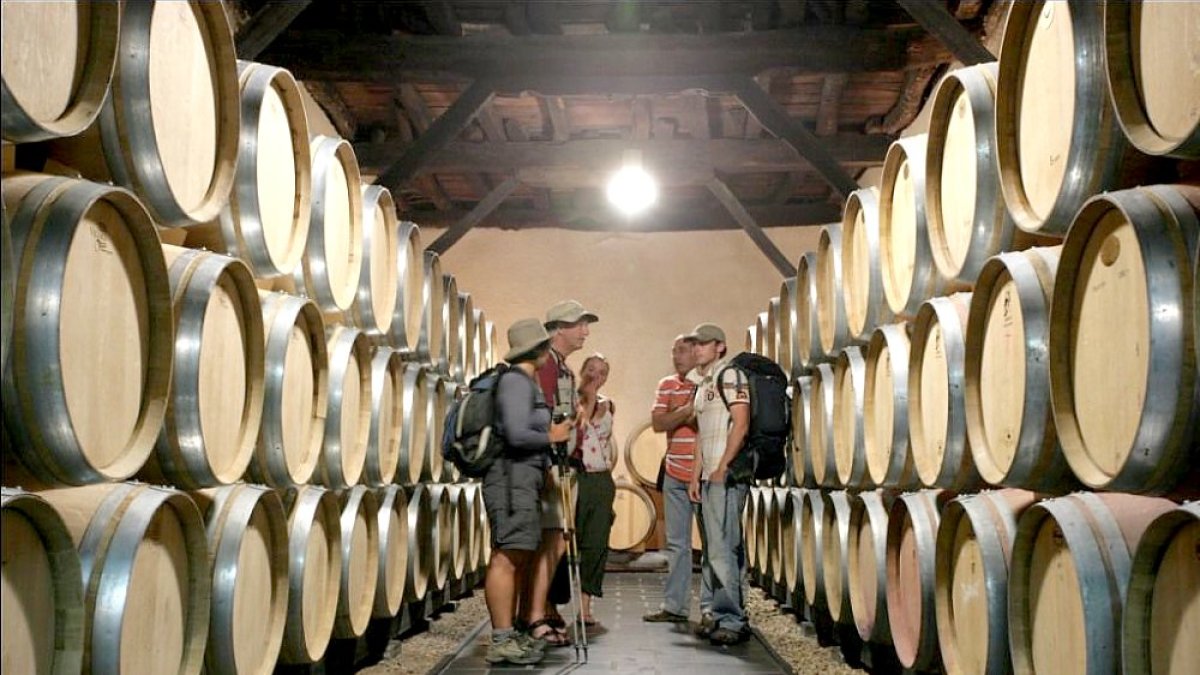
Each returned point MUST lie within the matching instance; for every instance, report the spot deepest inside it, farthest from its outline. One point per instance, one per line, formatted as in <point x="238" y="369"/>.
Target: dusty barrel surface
<point x="1124" y="384"/>
<point x="1071" y="565"/>
<point x="862" y="280"/>
<point x="820" y="430"/>
<point x="387" y="417"/>
<point x="1153" y="85"/>
<point x="849" y="450"/>
<point x="43" y="592"/>
<point x="808" y="340"/>
<point x="295" y="391"/>
<point x="331" y="267"/>
<point x="911" y="545"/>
<point x="376" y="299"/>
<point x="266" y="221"/>
<point x="87" y="379"/>
<point x="974" y="551"/>
<point x="1161" y="619"/>
<point x="886" y="439"/>
<point x="1057" y="139"/>
<point x="144" y="567"/>
<point x="905" y="258"/>
<point x="58" y="61"/>
<point x="937" y="397"/>
<point x="348" y="408"/>
<point x="392" y="582"/>
<point x="216" y="403"/>
<point x="248" y="565"/>
<point x="359" y="577"/>
<point x="314" y="572"/>
<point x="866" y="565"/>
<point x="1009" y="420"/>
<point x="834" y="550"/>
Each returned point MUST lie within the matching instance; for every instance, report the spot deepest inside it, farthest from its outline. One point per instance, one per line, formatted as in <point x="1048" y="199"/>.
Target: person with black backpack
<point x="512" y="485"/>
<point x="722" y="406"/>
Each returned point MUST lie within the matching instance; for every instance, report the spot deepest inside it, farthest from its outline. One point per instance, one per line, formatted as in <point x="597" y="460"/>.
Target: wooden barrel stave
<point x="314" y="568"/>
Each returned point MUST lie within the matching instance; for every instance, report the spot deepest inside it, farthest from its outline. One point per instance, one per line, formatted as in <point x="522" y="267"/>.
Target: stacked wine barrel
<point x="996" y="404"/>
<point x="226" y="363"/>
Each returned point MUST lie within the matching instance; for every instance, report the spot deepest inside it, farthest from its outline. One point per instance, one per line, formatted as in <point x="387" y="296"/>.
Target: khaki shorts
<point x="553" y="517"/>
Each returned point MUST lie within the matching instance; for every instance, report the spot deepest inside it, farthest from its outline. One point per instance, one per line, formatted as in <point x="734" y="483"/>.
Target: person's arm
<point x="662" y="420"/>
<point x="739" y="411"/>
<point x="514" y="399"/>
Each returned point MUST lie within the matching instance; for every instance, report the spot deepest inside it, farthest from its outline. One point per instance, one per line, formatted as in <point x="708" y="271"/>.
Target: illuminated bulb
<point x="631" y="190"/>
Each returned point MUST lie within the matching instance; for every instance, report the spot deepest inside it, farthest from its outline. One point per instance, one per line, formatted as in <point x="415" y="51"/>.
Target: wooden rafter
<point x="664" y="218"/>
<point x="265" y="26"/>
<point x="934" y="18"/>
<point x="477" y="214"/>
<point x="724" y="195"/>
<point x="327" y="97"/>
<point x="831" y="101"/>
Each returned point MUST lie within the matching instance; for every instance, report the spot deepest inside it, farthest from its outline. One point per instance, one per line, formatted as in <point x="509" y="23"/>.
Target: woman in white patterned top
<point x="596" y="454"/>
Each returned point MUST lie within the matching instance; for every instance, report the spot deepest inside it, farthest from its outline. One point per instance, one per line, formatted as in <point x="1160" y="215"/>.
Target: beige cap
<point x="707" y="332"/>
<point x="569" y="311"/>
<point x="525" y="336"/>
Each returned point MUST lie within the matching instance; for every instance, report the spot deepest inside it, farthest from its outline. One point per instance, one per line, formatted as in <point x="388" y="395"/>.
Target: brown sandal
<point x="551" y="637"/>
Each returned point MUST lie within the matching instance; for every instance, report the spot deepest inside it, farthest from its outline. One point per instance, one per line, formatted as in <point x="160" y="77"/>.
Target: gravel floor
<point x="420" y="653"/>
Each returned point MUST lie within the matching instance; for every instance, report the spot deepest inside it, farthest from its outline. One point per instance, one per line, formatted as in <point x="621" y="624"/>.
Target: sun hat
<point x="525" y="336"/>
<point x="569" y="311"/>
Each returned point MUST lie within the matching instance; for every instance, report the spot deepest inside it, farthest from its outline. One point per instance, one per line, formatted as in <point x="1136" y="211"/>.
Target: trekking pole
<point x="573" y="575"/>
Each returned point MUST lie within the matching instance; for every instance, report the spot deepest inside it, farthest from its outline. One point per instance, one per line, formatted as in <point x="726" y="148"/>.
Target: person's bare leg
<point x="585" y="607"/>
<point x="548" y="554"/>
<point x="501" y="586"/>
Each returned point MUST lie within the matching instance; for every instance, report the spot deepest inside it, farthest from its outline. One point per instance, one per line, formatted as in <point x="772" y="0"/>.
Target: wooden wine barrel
<point x="387" y="417"/>
<point x="437" y="399"/>
<point x="8" y="284"/>
<point x="448" y="364"/>
<point x="393" y="551"/>
<point x="410" y="271"/>
<point x="905" y="259"/>
<point x="494" y="355"/>
<point x="431" y="339"/>
<point x="800" y="459"/>
<point x="86" y="382"/>
<point x="1125" y="397"/>
<point x="911" y="541"/>
<point x="421" y="532"/>
<point x="974" y="548"/>
<point x="43" y="589"/>
<point x="479" y="542"/>
<point x="792" y="543"/>
<point x="248" y="566"/>
<point x="266" y="221"/>
<point x="295" y="392"/>
<point x="862" y="287"/>
<point x="808" y="340"/>
<point x="1009" y="421"/>
<point x="634" y="517"/>
<point x="937" y="401"/>
<point x="379" y="284"/>
<point x="770" y="554"/>
<point x="415" y="429"/>
<point x="314" y="572"/>
<point x="785" y="327"/>
<point x="849" y="386"/>
<point x="58" y="62"/>
<point x="360" y="561"/>
<point x="462" y="532"/>
<point x="760" y="334"/>
<point x="968" y="222"/>
<point x="1161" y="618"/>
<point x="348" y="409"/>
<point x="820" y="429"/>
<point x="331" y="267"/>
<point x="812" y="557"/>
<point x="783" y="560"/>
<point x="467" y="360"/>
<point x="835" y="546"/>
<point x="1057" y="140"/>
<point x="751" y="513"/>
<point x="1154" y="92"/>
<point x="831" y="307"/>
<point x="144" y="567"/>
<point x="1071" y="565"/>
<point x="169" y="130"/>
<point x="770" y="330"/>
<point x="752" y="341"/>
<point x="443" y="531"/>
<point x="644" y="452"/>
<point x="483" y="356"/>
<point x="885" y="409"/>
<point x="866" y="565"/>
<point x="216" y="403"/>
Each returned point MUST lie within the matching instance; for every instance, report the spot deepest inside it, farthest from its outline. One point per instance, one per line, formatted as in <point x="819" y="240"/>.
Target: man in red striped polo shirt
<point x="673" y="414"/>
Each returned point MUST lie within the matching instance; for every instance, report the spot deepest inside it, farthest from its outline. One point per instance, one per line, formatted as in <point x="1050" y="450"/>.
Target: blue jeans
<point x="678" y="514"/>
<point x="723" y="506"/>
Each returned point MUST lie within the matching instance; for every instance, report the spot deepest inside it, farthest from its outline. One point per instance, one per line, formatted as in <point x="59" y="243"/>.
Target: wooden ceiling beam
<point x="474" y="216"/>
<point x="328" y="55"/>
<point x="661" y="219"/>
<point x="726" y="155"/>
<point x="941" y="24"/>
<point x="266" y="25"/>
<point x="730" y="201"/>
<point x="830" y="103"/>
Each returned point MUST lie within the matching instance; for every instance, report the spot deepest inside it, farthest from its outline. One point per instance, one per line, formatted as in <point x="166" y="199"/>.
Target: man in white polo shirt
<point x="721" y="431"/>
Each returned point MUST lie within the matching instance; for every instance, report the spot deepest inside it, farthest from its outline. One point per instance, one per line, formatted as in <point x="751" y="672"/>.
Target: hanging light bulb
<point x="632" y="190"/>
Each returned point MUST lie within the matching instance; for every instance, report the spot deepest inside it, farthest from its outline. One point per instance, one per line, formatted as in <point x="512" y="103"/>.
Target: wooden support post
<point x="481" y="211"/>
<point x="724" y="195"/>
<point x="934" y="18"/>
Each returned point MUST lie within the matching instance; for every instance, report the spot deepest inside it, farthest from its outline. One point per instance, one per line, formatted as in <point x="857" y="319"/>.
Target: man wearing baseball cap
<point x="722" y="406"/>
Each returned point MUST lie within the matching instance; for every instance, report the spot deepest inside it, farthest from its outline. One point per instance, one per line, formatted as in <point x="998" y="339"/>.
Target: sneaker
<point x="663" y="616"/>
<point x="724" y="636"/>
<point x="531" y="643"/>
<point x="706" y="627"/>
<point x="512" y="650"/>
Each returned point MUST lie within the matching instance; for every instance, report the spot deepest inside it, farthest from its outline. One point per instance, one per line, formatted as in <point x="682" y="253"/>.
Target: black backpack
<point x="472" y="438"/>
<point x="763" y="455"/>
